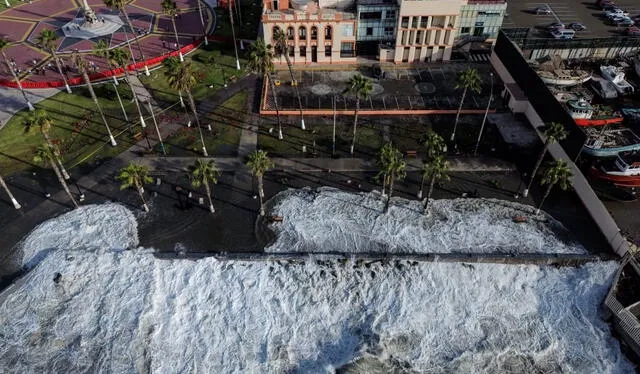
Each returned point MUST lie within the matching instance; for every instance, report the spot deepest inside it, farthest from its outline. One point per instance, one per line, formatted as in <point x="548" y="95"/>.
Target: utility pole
<point x="486" y="112"/>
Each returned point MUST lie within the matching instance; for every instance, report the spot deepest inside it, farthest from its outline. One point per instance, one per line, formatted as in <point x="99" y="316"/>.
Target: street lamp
<point x="486" y="112"/>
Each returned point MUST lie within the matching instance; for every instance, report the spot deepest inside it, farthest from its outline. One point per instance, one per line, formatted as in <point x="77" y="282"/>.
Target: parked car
<point x="617" y="12"/>
<point x="545" y="10"/>
<point x="617" y="18"/>
<point x="633" y="31"/>
<point x="555" y="25"/>
<point x="604" y="3"/>
<point x="626" y="22"/>
<point x="577" y="26"/>
<point x="563" y="34"/>
<point x="609" y="8"/>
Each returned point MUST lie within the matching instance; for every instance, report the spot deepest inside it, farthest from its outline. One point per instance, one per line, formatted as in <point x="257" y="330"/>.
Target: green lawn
<point x="76" y="128"/>
<point x="247" y="29"/>
<point x="226" y="124"/>
<point x="213" y="65"/>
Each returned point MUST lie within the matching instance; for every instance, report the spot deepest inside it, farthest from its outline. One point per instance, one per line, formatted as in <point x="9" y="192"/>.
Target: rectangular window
<point x="292" y="52"/>
<point x="419" y="37"/>
<point x="404" y="38"/>
<point x="405" y="55"/>
<point x="303" y="51"/>
<point x="347" y="30"/>
<point x="369" y="31"/>
<point x="327" y="33"/>
<point x="390" y="14"/>
<point x="405" y="22"/>
<point x="346" y="49"/>
<point x="465" y="30"/>
<point x="388" y="31"/>
<point x="371" y="15"/>
<point x="275" y="4"/>
<point x="424" y="21"/>
<point x="414" y="22"/>
<point x="327" y="51"/>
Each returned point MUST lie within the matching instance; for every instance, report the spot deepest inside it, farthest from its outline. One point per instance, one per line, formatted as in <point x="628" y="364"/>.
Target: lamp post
<point x="486" y="112"/>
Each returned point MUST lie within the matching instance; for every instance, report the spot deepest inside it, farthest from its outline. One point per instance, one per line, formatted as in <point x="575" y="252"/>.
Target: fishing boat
<point x="632" y="115"/>
<point x="604" y="88"/>
<point x="564" y="77"/>
<point x="623" y="171"/>
<point x="610" y="142"/>
<point x="616" y="76"/>
<point x="584" y="114"/>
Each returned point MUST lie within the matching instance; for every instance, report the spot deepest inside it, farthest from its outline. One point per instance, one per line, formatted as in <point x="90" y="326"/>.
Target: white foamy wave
<point x="331" y="220"/>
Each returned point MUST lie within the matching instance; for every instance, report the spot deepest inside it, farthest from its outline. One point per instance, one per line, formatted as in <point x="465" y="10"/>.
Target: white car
<point x="616" y="13"/>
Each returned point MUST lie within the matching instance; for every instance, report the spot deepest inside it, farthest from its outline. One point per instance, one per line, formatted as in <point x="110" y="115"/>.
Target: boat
<point x="610" y="142"/>
<point x="632" y="115"/>
<point x="616" y="76"/>
<point x="636" y="65"/>
<point x="602" y="120"/>
<point x="604" y="88"/>
<point x="623" y="171"/>
<point x="564" y="77"/>
<point x="584" y="114"/>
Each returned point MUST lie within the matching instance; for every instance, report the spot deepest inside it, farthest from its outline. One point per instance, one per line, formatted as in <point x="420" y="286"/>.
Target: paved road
<point x="12" y="101"/>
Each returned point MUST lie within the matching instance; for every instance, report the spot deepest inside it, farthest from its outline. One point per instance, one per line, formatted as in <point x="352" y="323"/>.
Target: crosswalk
<point x="479" y="57"/>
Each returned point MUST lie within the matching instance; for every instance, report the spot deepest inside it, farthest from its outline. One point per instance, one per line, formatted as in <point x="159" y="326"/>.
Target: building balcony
<point x="296" y="15"/>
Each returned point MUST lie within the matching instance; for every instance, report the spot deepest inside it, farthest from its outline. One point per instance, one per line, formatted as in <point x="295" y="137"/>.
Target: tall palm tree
<point x="3" y="45"/>
<point x="47" y="153"/>
<point x="554" y="132"/>
<point x="283" y="48"/>
<point x="15" y="202"/>
<point x="47" y="40"/>
<point x="170" y="9"/>
<point x="121" y="6"/>
<point x="40" y="119"/>
<point x="435" y="170"/>
<point x="182" y="79"/>
<point x="135" y="176"/>
<point x="467" y="79"/>
<point x="101" y="49"/>
<point x="261" y="62"/>
<point x="557" y="172"/>
<point x="361" y="87"/>
<point x="392" y="167"/>
<point x="259" y="163"/>
<point x="201" y="173"/>
<point x="120" y="57"/>
<point x="81" y="64"/>
<point x="434" y="144"/>
<point x="233" y="33"/>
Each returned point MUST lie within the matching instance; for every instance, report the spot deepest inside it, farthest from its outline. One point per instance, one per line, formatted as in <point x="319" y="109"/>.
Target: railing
<point x="302" y="16"/>
<point x="625" y="319"/>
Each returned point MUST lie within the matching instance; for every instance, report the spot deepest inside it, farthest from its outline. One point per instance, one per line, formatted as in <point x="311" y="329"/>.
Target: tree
<point x="201" y="173"/>
<point x="182" y="79"/>
<point x="434" y="144"/>
<point x="121" y="6"/>
<point x="283" y="48"/>
<point x="435" y="170"/>
<point x="135" y="176"/>
<point x="259" y="163"/>
<point x="3" y="45"/>
<point x="81" y="64"/>
<point x="392" y="166"/>
<point x="467" y="79"/>
<point x="554" y="132"/>
<point x="15" y="202"/>
<point x="48" y="153"/>
<point x="170" y="9"/>
<point x="233" y="33"/>
<point x="47" y="40"/>
<point x="261" y="62"/>
<point x="361" y="87"/>
<point x="101" y="49"/>
<point x="120" y="57"/>
<point x="557" y="172"/>
<point x="40" y="119"/>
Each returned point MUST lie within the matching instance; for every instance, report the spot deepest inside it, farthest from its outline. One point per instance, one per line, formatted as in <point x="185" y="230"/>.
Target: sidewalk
<point x="12" y="101"/>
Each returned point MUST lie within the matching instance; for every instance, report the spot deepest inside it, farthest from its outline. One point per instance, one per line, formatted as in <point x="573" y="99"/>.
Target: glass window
<point x="424" y="21"/>
<point x="371" y="15"/>
<point x="275" y="4"/>
<point x="327" y="51"/>
<point x="369" y="31"/>
<point x="327" y="33"/>
<point x="414" y="22"/>
<point x="465" y="30"/>
<point x="346" y="49"/>
<point x="290" y="33"/>
<point x="347" y="30"/>
<point x="418" y="37"/>
<point x="388" y="31"/>
<point x="292" y="52"/>
<point x="391" y="14"/>
<point x="303" y="51"/>
<point x="405" y="22"/>
<point x="302" y="32"/>
<point x="314" y="33"/>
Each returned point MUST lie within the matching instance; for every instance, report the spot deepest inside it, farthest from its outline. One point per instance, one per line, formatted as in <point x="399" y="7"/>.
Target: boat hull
<point x="618" y="180"/>
<point x="609" y="152"/>
<point x="598" y="121"/>
<point x="565" y="82"/>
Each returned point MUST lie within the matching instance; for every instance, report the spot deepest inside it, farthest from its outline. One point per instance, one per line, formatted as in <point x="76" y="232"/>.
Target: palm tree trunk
<point x="431" y="184"/>
<point x="421" y="186"/>
<point x="13" y="199"/>
<point x="192" y="104"/>
<point x="135" y="98"/>
<point x="15" y="76"/>
<point x="384" y="184"/>
<point x="126" y="16"/>
<point x="355" y="123"/>
<point x="95" y="101"/>
<point x="60" y="165"/>
<point x="455" y="124"/>
<point x="293" y="79"/>
<point x="175" y="33"/>
<point x="63" y="182"/>
<point x="546" y="194"/>
<point x="206" y="187"/>
<point x="141" y="194"/>
<point x="391" y="179"/>
<point x="275" y="102"/>
<point x="261" y="194"/>
<point x="64" y="77"/>
<point x="233" y="33"/>
<point x="204" y="30"/>
<point x="525" y="193"/>
<point x="124" y="112"/>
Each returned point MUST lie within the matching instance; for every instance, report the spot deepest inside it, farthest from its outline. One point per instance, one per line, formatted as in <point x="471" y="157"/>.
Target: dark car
<point x="577" y="26"/>
<point x="545" y="10"/>
<point x="633" y="31"/>
<point x="604" y="3"/>
<point x="623" y="22"/>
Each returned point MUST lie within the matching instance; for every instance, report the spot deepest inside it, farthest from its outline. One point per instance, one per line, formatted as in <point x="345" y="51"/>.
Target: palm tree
<point x="47" y="40"/>
<point x="121" y="6"/>
<point x="201" y="173"/>
<point x="259" y="163"/>
<point x="261" y="62"/>
<point x="392" y="166"/>
<point x="120" y="57"/>
<point x="47" y="153"/>
<point x="81" y="64"/>
<point x="135" y="176"/>
<point x="15" y="202"/>
<point x="233" y="33"/>
<point x="554" y="132"/>
<point x="170" y="9"/>
<point x="435" y="144"/>
<point x="557" y="172"/>
<point x="361" y="87"/>
<point x="182" y="79"/>
<point x="467" y="79"/>
<point x="102" y="50"/>
<point x="3" y="45"/>
<point x="283" y="48"/>
<point x="435" y="170"/>
<point x="40" y="119"/>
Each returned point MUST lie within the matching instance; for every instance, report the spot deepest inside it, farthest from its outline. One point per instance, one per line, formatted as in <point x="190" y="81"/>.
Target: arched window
<point x="274" y="31"/>
<point x="327" y="33"/>
<point x="302" y="32"/>
<point x="314" y="33"/>
<point x="290" y="33"/>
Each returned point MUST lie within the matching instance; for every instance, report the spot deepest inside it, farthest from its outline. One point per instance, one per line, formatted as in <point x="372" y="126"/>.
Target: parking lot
<point x="521" y="13"/>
